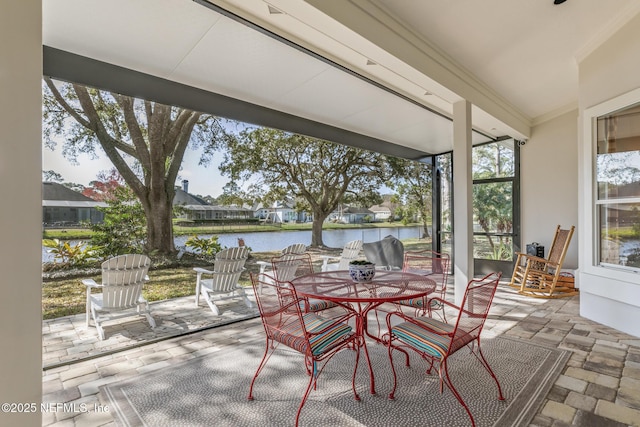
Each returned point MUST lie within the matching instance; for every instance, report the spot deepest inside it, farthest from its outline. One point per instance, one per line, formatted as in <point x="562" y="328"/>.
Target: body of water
<point x="267" y="241"/>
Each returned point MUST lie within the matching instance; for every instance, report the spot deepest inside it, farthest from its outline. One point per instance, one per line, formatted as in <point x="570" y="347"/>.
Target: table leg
<point x="361" y="332"/>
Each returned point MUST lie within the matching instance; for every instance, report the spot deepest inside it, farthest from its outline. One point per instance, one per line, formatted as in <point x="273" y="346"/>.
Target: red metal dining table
<point x="362" y="297"/>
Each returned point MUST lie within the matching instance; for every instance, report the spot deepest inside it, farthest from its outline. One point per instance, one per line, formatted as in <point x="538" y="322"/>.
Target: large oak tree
<point x="413" y="182"/>
<point x="316" y="173"/>
<point x="144" y="140"/>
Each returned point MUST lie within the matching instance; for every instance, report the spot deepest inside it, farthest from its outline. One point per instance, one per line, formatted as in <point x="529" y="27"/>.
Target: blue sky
<point x="203" y="180"/>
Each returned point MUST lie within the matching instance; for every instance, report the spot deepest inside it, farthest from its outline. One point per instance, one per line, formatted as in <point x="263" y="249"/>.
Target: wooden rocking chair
<point x="540" y="277"/>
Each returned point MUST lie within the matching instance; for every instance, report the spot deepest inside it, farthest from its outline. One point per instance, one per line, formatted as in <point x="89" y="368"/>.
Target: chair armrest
<point x="527" y="257"/>
<point x="546" y="263"/>
<point x="201" y="270"/>
<point x="442" y="303"/>
<point x="445" y="302"/>
<point x="90" y="283"/>
<point x="334" y="322"/>
<point x="536" y="259"/>
<point x="263" y="266"/>
<point x="413" y="320"/>
<point x="325" y="260"/>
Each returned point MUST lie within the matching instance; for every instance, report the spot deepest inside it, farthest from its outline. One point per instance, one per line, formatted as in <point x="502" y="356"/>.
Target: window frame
<point x="514" y="180"/>
<point x="590" y="236"/>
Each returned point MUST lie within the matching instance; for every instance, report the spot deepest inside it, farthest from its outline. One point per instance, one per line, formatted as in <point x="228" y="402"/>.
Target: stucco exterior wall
<point x="549" y="179"/>
<point x="609" y="296"/>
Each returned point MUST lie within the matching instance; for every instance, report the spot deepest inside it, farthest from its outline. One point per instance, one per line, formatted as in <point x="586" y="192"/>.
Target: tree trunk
<point x="316" y="229"/>
<point x="159" y="212"/>
<point x="425" y="228"/>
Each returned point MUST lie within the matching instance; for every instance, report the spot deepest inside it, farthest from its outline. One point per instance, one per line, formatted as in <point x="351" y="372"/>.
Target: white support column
<point x="462" y="200"/>
<point x="21" y="210"/>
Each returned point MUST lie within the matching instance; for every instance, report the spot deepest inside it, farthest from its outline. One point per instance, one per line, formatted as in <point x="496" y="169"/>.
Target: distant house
<point x="380" y="212"/>
<point x="62" y="206"/>
<point x="352" y="215"/>
<point x="260" y="211"/>
<point x="282" y="212"/>
<point x="197" y="209"/>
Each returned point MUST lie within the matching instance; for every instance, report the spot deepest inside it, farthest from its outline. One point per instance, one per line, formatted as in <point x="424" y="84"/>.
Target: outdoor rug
<point x="212" y="390"/>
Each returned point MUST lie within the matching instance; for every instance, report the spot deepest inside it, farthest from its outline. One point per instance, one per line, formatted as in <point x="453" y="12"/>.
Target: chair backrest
<point x="350" y="252"/>
<point x="289" y="266"/>
<point x="231" y="259"/>
<point x="227" y="267"/>
<point x="279" y="306"/>
<point x="296" y="248"/>
<point x="428" y="262"/>
<point x="474" y="310"/>
<point x="560" y="245"/>
<point x="387" y="253"/>
<point x="122" y="278"/>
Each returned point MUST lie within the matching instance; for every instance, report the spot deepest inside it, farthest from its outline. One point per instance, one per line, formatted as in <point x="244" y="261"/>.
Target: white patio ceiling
<point x="513" y="65"/>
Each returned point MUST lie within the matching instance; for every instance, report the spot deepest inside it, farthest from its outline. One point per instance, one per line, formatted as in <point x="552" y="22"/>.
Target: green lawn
<point x="67" y="296"/>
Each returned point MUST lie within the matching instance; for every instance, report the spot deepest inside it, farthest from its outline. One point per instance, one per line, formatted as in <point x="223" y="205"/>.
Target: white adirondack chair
<point x="122" y="280"/>
<point x="350" y="252"/>
<point x="223" y="284"/>
<point x="265" y="267"/>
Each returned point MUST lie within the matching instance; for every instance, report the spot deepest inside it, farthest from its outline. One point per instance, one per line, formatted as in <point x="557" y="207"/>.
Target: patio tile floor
<point x="67" y="339"/>
<point x="600" y="385"/>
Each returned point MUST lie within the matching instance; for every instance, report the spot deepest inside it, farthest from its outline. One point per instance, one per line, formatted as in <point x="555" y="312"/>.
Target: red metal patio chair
<point x="296" y="248"/>
<point x="316" y="338"/>
<point x="435" y="266"/>
<point x="287" y="267"/>
<point x="436" y="341"/>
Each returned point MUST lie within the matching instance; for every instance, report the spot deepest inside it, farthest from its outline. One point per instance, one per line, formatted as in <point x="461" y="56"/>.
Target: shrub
<point x="206" y="248"/>
<point x="124" y="227"/>
<point x="66" y="255"/>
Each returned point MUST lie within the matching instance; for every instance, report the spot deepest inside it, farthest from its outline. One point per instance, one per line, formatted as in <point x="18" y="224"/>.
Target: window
<point x="494" y="175"/>
<point x="443" y="204"/>
<point x="617" y="181"/>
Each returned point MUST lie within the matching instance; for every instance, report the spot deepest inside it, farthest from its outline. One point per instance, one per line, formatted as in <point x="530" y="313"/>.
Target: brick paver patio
<point x="600" y="385"/>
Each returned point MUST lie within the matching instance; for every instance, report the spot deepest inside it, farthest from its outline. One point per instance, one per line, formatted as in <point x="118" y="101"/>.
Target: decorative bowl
<point x="362" y="272"/>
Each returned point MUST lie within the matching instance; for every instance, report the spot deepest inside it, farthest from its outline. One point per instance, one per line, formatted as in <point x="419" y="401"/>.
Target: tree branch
<point x="63" y="102"/>
<point x="137" y="137"/>
<point x="108" y="143"/>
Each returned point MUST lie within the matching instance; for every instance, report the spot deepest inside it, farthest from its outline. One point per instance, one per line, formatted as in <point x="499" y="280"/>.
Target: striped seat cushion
<point x="413" y="302"/>
<point x="292" y="335"/>
<point x="318" y="305"/>
<point x="425" y="336"/>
